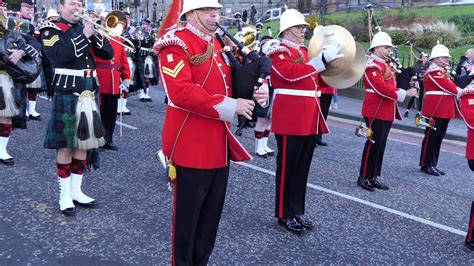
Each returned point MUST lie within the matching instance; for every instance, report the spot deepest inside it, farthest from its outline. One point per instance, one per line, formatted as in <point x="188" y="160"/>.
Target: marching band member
<point x="196" y="135"/>
<point x="122" y="101"/>
<point x="27" y="11"/>
<point x="144" y="43"/>
<point x="264" y="121"/>
<point x="466" y="102"/>
<point x="379" y="109"/>
<point x="438" y="106"/>
<point x="8" y="105"/>
<point x="296" y="116"/>
<point x="75" y="125"/>
<point x="114" y="79"/>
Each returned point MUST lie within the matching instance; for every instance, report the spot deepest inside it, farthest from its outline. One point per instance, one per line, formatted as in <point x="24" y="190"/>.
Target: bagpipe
<point x="12" y="32"/>
<point x="249" y="73"/>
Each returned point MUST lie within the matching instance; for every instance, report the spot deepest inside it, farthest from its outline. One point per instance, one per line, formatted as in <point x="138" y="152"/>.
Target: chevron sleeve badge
<point x="52" y="41"/>
<point x="175" y="71"/>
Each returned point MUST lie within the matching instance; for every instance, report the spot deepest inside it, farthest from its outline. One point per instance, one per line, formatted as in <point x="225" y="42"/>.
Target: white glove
<point x="332" y="52"/>
<point x="124" y="86"/>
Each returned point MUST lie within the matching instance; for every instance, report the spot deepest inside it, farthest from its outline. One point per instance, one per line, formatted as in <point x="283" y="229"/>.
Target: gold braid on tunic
<point x="298" y="60"/>
<point x="199" y="59"/>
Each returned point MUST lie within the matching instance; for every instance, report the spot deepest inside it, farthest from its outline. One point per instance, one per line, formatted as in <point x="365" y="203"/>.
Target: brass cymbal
<point x="333" y="34"/>
<point x="352" y="74"/>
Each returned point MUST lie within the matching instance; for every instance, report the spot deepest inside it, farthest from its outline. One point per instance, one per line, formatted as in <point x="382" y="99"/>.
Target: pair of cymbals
<point x="343" y="72"/>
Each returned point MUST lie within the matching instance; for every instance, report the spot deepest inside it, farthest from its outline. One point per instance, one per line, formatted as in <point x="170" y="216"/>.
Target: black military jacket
<point x="72" y="55"/>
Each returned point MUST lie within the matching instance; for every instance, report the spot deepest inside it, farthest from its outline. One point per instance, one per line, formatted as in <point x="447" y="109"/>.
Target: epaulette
<point x="47" y="24"/>
<point x="370" y="64"/>
<point x="278" y="49"/>
<point x="433" y="68"/>
<point x="169" y="39"/>
<point x="469" y="90"/>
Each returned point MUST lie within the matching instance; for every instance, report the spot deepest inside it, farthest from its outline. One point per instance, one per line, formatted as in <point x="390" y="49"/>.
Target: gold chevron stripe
<point x="173" y="72"/>
<point x="51" y="41"/>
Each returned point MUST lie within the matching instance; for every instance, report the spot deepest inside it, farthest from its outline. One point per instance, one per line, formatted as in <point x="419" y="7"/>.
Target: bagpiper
<point x="197" y="138"/>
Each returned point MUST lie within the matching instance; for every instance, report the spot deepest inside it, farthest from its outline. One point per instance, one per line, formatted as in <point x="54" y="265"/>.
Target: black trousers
<point x="108" y="113"/>
<point x="372" y="157"/>
<point x="432" y="142"/>
<point x="293" y="162"/>
<point x="198" y="202"/>
<point x="421" y="95"/>
<point x="470" y="230"/>
<point x="325" y="101"/>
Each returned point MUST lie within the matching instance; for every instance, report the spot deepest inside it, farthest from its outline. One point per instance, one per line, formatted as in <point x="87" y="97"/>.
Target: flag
<point x="172" y="17"/>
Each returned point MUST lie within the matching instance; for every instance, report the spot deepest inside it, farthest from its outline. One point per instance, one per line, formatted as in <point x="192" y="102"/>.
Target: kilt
<point x="62" y="103"/>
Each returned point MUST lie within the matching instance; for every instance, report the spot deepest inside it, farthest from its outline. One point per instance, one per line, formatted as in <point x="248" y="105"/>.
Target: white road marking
<point x="365" y="202"/>
<point x="126" y="125"/>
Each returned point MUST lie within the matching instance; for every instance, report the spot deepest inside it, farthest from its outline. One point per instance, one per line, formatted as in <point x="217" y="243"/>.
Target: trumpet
<point x="113" y="21"/>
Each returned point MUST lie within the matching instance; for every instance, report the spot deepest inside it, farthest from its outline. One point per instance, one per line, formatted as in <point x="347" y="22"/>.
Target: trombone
<point x="113" y="20"/>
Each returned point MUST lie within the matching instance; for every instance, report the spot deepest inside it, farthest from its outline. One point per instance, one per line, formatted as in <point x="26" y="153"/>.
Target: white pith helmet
<point x="52" y="13"/>
<point x="439" y="50"/>
<point x="291" y="18"/>
<point x="190" y="5"/>
<point x="381" y="39"/>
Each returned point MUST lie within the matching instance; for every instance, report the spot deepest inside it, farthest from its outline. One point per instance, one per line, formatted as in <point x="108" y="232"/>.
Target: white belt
<point x="303" y="93"/>
<point x="146" y="49"/>
<point x="83" y="73"/>
<point x="438" y="93"/>
<point x="370" y="91"/>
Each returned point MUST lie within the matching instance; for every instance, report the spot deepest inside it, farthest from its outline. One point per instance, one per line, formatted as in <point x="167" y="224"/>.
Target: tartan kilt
<point x="62" y="103"/>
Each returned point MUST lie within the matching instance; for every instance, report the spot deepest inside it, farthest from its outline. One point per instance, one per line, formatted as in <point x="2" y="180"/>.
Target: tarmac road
<point x="421" y="220"/>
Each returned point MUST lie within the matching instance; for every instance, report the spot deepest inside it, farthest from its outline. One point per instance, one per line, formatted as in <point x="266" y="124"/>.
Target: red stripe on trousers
<point x="173" y="261"/>
<point x="282" y="178"/>
<point x="423" y="154"/>
<point x="471" y="225"/>
<point x="366" y="159"/>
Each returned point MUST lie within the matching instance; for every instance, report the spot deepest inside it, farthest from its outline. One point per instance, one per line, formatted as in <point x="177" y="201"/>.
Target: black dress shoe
<point x="439" y="171"/>
<point x="365" y="183"/>
<point x="90" y="205"/>
<point x="304" y="222"/>
<point x="143" y="100"/>
<point x="110" y="146"/>
<point x="69" y="211"/>
<point x="321" y="143"/>
<point x="127" y="113"/>
<point x="469" y="245"/>
<point x="377" y="184"/>
<point x="9" y="161"/>
<point x="149" y="100"/>
<point x="406" y="114"/>
<point x="430" y="170"/>
<point x="291" y="225"/>
<point x="37" y="118"/>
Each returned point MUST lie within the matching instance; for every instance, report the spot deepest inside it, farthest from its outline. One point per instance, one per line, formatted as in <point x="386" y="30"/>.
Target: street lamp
<point x="154" y="12"/>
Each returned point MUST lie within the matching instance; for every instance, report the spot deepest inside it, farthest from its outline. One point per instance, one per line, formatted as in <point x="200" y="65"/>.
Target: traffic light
<point x="121" y="6"/>
<point x="137" y="3"/>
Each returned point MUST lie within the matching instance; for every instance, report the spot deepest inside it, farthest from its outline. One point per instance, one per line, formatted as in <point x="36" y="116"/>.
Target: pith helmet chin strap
<point x="290" y="32"/>
<point x="205" y="29"/>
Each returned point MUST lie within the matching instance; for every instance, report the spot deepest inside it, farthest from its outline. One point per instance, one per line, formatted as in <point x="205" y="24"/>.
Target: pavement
<point x="421" y="220"/>
<point x="351" y="108"/>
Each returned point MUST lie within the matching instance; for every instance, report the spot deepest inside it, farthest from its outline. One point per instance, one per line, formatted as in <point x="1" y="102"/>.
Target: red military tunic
<point x="467" y="112"/>
<point x="440" y="93"/>
<point x="112" y="72"/>
<point x="381" y="93"/>
<point x="298" y="114"/>
<point x="196" y="132"/>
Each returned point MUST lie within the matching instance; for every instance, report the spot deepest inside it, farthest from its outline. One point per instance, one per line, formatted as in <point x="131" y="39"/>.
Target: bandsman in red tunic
<point x="438" y="107"/>
<point x="296" y="116"/>
<point x="466" y="102"/>
<point x="379" y="109"/>
<point x="114" y="80"/>
<point x="197" y="138"/>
